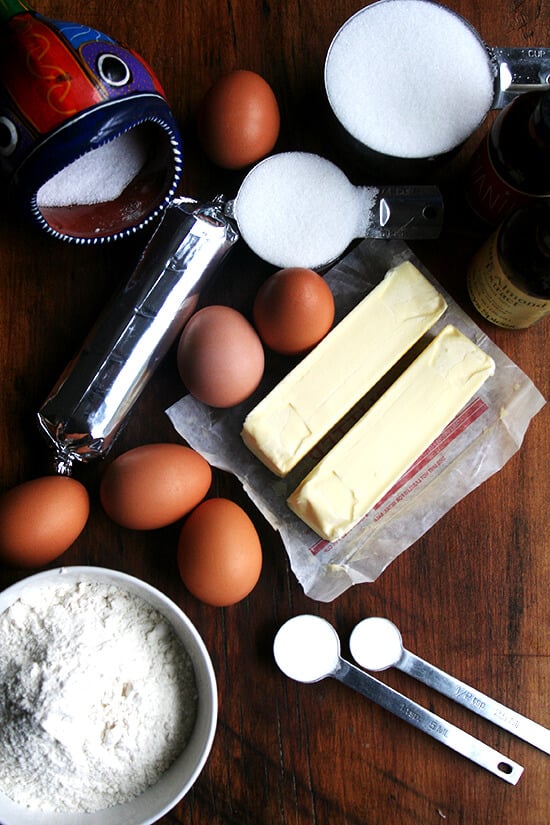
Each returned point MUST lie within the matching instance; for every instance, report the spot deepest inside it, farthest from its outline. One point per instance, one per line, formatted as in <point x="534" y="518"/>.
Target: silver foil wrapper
<point x="92" y="399"/>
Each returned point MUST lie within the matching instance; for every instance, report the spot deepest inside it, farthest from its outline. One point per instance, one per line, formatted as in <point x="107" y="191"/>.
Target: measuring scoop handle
<point x="406" y="212"/>
<point x="475" y="701"/>
<point x="426" y="721"/>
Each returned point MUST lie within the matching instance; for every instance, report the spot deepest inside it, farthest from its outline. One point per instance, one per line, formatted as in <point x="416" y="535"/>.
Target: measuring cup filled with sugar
<point x="409" y="81"/>
<point x="89" y="147"/>
<point x="299" y="209"/>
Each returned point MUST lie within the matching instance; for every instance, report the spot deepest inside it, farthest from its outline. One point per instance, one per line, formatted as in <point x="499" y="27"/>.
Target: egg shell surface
<point x="293" y="310"/>
<point x="154" y="485"/>
<point x="40" y="519"/>
<point x="238" y="120"/>
<point x="219" y="553"/>
<point x="220" y="356"/>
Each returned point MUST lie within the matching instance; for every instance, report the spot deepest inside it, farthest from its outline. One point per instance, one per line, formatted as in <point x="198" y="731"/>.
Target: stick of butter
<point x="342" y="368"/>
<point x="391" y="435"/>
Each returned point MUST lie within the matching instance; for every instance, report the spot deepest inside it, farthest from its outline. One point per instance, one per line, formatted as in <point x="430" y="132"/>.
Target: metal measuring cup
<point x="375" y="105"/>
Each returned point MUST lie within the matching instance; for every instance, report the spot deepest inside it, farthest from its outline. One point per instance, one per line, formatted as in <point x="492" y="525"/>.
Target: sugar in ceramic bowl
<point x="96" y="154"/>
<point x="175" y="783"/>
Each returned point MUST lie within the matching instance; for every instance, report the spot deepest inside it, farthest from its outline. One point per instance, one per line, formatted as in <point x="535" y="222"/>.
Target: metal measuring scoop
<point x="376" y="644"/>
<point x="300" y="209"/>
<point x="307" y="649"/>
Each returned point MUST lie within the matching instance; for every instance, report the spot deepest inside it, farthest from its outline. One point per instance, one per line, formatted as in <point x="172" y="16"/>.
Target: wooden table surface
<point x="470" y="596"/>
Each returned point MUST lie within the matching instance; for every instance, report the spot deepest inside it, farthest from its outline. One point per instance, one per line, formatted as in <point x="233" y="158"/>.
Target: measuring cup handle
<point x="519" y="70"/>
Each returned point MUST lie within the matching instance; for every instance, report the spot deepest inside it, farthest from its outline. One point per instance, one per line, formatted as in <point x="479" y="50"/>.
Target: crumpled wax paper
<point x="487" y="432"/>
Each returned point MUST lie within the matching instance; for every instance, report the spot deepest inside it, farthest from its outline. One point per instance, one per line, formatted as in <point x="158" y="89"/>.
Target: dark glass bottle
<point x="512" y="165"/>
<point x="509" y="278"/>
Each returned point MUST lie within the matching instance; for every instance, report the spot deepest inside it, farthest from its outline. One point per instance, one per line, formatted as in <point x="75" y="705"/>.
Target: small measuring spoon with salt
<point x="299" y="209"/>
<point x="376" y="644"/>
<point x="307" y="649"/>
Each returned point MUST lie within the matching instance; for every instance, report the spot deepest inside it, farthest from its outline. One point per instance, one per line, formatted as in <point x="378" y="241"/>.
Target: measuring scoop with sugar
<point x="376" y="644"/>
<point x="307" y="649"/>
<point x="299" y="209"/>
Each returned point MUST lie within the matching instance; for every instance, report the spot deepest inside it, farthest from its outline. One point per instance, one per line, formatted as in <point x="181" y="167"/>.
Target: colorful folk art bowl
<point x="89" y="146"/>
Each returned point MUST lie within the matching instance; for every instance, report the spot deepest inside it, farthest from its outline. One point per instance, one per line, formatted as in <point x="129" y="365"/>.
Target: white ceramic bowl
<point x="153" y="803"/>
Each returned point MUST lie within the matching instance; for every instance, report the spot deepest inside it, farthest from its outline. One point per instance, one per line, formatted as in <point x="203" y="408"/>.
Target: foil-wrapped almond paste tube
<point x="90" y="402"/>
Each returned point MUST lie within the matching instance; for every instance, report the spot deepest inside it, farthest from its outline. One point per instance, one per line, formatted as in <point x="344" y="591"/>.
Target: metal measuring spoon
<point x="307" y="649"/>
<point x="376" y="644"/>
<point x="299" y="209"/>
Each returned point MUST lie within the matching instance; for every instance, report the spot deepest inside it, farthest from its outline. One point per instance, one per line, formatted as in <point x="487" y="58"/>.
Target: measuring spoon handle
<point x="407" y="212"/>
<point x="475" y="701"/>
<point x="426" y="721"/>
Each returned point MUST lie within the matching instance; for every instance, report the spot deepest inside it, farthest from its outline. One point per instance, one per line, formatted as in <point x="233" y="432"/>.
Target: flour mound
<point x="97" y="697"/>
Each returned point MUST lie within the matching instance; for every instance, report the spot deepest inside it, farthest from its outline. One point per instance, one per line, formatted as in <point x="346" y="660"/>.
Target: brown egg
<point x="220" y="356"/>
<point x="154" y="485"/>
<point x="219" y="553"/>
<point x="293" y="310"/>
<point x="238" y="120"/>
<point x="40" y="519"/>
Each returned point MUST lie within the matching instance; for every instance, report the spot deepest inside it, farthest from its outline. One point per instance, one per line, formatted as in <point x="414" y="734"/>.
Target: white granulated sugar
<point x="306" y="648"/>
<point x="98" y="697"/>
<point x="100" y="175"/>
<point x="299" y="209"/>
<point x="409" y="78"/>
<point x="376" y="643"/>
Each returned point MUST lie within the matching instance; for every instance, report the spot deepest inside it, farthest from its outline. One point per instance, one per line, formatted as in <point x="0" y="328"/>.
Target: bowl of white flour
<point x="108" y="700"/>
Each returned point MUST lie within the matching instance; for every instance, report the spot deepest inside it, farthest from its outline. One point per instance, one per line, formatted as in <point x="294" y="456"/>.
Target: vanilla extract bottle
<point x="509" y="278"/>
<point x="511" y="167"/>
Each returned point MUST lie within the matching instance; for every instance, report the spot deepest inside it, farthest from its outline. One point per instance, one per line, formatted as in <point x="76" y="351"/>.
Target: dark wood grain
<point x="470" y="596"/>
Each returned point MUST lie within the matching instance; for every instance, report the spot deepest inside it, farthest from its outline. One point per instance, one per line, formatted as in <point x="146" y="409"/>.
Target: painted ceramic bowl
<point x="89" y="147"/>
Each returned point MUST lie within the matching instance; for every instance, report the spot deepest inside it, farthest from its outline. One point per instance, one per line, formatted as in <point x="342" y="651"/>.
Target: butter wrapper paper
<point x="477" y="443"/>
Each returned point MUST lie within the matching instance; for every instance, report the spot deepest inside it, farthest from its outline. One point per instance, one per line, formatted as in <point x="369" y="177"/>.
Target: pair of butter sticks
<point x="342" y="368"/>
<point x="357" y="472"/>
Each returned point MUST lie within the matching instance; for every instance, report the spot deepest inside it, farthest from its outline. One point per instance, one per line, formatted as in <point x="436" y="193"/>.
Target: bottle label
<point x="495" y="296"/>
<point x="489" y="196"/>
